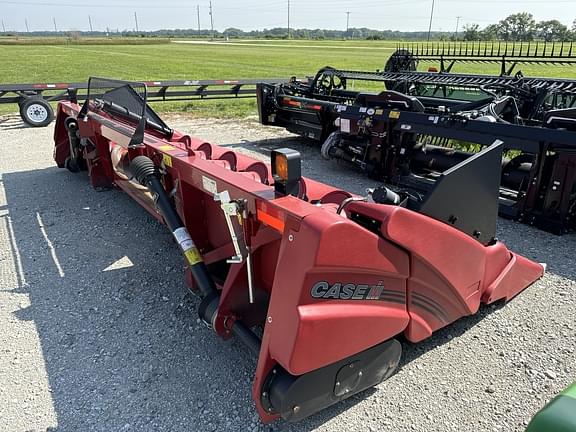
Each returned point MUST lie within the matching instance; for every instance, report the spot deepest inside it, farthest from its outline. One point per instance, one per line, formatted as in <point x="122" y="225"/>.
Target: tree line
<point x="521" y="27"/>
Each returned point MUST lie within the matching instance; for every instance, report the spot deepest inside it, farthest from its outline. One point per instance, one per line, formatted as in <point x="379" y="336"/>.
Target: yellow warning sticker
<point x="394" y="114"/>
<point x="167" y="160"/>
<point x="379" y="112"/>
<point x="193" y="256"/>
<point x="167" y="147"/>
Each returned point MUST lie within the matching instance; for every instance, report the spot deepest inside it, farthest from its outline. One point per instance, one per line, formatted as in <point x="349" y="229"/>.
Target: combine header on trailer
<point x="418" y="124"/>
<point x="319" y="283"/>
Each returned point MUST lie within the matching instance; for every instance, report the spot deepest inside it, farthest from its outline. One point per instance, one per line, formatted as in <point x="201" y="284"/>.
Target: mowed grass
<point x="234" y="60"/>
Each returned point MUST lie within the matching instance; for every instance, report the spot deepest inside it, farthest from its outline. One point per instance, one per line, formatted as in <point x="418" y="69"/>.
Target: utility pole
<point x="211" y="20"/>
<point x="90" y="22"/>
<point x="288" y="19"/>
<point x="198" y="13"/>
<point x="431" y="18"/>
<point x="3" y="27"/>
<point x="347" y="22"/>
<point x="457" y="25"/>
<point x="27" y="28"/>
<point x="55" y="27"/>
<point x="136" y="21"/>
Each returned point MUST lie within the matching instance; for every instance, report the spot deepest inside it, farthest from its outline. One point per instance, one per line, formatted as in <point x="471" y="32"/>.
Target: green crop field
<point x="52" y="60"/>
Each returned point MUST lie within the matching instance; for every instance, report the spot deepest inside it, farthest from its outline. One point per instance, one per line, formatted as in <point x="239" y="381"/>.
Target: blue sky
<point x="406" y="15"/>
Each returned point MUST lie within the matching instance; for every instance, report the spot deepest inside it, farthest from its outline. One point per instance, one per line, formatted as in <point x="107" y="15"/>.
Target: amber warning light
<point x="286" y="170"/>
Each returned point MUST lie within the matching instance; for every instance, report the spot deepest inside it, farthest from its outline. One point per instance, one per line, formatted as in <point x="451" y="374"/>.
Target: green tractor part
<point x="559" y="415"/>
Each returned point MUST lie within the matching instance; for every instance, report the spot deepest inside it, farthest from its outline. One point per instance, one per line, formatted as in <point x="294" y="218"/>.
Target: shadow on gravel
<point x="123" y="349"/>
<point x="12" y="123"/>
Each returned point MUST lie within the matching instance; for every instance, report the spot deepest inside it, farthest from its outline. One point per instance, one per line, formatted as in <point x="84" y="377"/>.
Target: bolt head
<point x="296" y="409"/>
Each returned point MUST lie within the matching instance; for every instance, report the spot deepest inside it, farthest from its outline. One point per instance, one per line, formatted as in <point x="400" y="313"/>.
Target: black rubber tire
<point x="36" y="112"/>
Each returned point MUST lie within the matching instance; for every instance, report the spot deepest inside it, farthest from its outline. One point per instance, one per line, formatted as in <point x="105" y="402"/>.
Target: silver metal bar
<point x="250" y="276"/>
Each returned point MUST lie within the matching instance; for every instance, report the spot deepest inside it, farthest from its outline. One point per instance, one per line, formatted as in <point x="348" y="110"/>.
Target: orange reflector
<point x="281" y="167"/>
<point x="432" y="69"/>
<point x="290" y="102"/>
<point x="314" y="107"/>
<point x="273" y="221"/>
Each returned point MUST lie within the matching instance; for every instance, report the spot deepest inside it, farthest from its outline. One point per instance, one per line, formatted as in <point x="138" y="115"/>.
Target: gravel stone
<point x="550" y="374"/>
<point x="83" y="349"/>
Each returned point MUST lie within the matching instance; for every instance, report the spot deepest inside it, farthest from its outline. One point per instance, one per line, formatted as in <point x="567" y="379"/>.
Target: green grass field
<point x="72" y="62"/>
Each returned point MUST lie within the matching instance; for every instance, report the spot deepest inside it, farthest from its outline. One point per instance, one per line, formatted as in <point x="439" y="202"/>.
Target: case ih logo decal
<point x="347" y="291"/>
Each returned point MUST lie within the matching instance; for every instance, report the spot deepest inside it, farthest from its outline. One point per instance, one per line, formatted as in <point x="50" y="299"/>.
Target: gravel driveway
<point x="98" y="333"/>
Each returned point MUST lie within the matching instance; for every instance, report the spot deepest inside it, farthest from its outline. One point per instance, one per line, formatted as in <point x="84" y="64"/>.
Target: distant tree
<point x="490" y="33"/>
<point x="233" y="32"/>
<point x="520" y="27"/>
<point x="552" y="30"/>
<point x="471" y="32"/>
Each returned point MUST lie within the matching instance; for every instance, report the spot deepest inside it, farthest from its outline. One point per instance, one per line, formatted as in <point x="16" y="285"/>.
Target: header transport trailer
<point x="416" y="125"/>
<point x="319" y="283"/>
<point x="34" y="99"/>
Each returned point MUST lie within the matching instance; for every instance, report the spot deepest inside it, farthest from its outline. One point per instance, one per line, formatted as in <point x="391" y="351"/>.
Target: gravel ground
<point x="99" y="334"/>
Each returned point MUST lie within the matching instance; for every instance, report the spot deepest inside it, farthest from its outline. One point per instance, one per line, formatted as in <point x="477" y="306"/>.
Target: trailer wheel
<point x="36" y="112"/>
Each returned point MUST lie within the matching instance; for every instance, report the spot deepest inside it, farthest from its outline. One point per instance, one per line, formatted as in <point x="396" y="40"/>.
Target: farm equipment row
<point x="419" y="124"/>
<point x="320" y="284"/>
<point x="34" y="99"/>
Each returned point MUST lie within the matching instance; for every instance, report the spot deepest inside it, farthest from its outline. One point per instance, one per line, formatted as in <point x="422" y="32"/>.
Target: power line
<point x="431" y="18"/>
